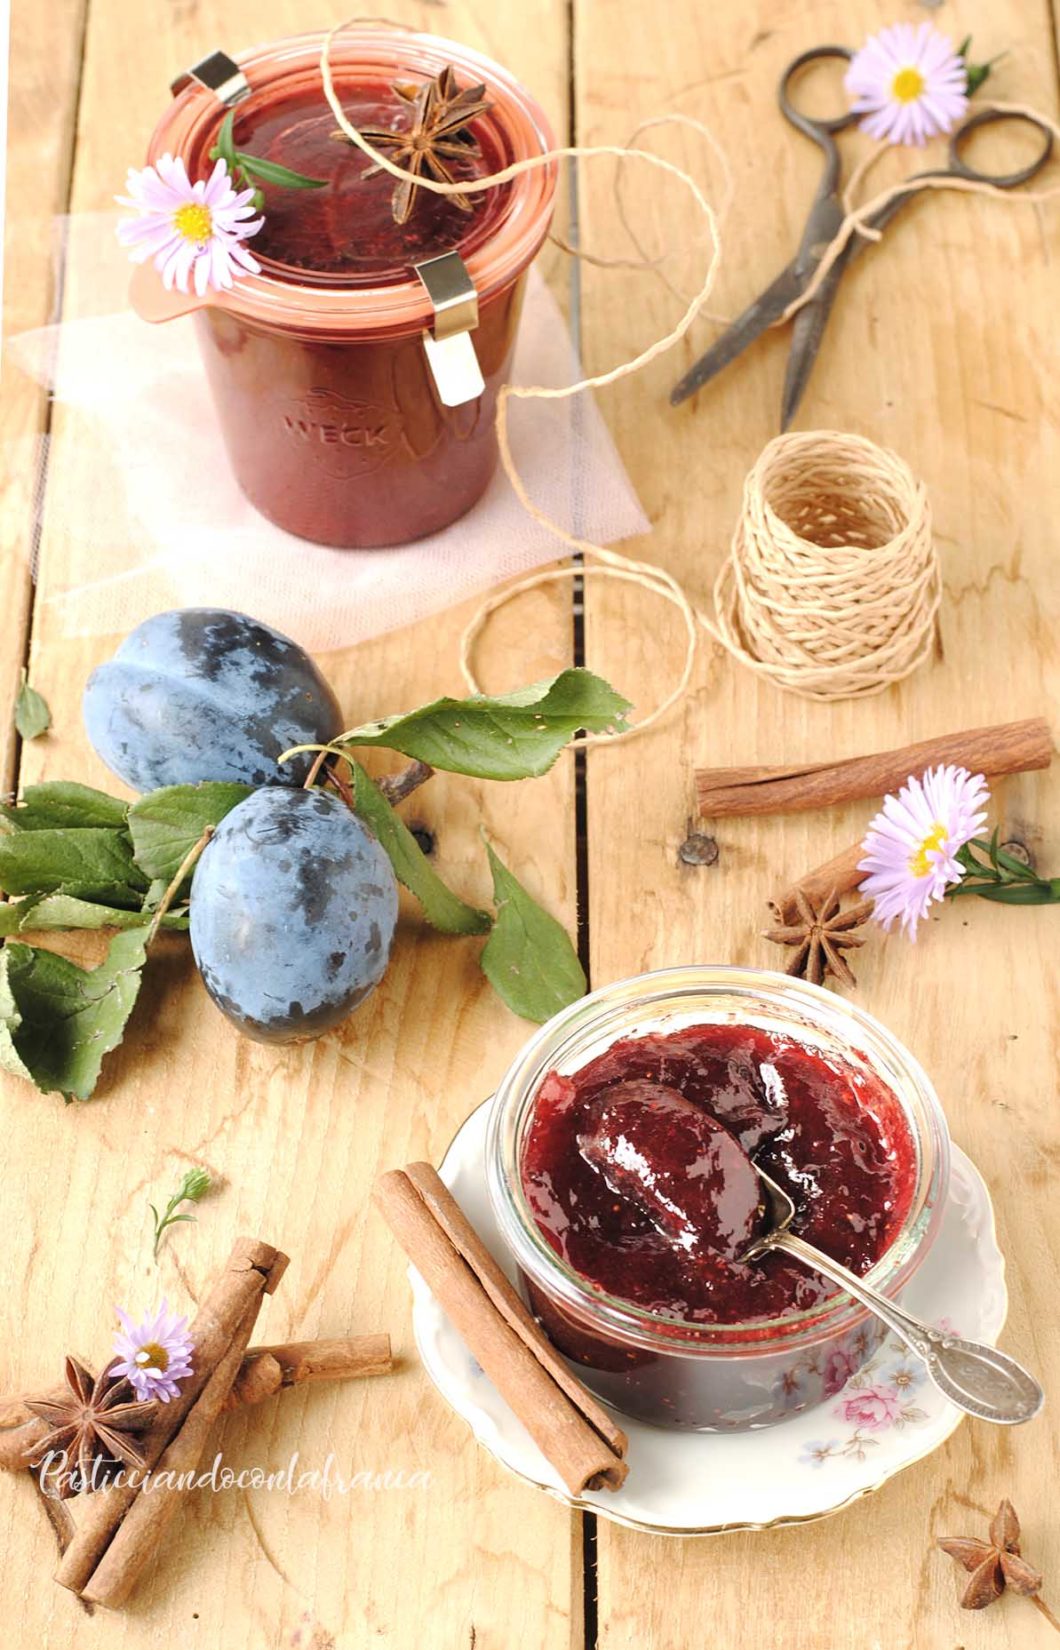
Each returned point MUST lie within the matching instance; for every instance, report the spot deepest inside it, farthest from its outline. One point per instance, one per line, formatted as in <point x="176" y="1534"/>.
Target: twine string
<point x="650" y="577"/>
<point x="832" y="584"/>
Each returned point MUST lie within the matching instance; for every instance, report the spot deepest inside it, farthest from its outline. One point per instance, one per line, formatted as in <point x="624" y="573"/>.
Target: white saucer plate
<point x="888" y="1416"/>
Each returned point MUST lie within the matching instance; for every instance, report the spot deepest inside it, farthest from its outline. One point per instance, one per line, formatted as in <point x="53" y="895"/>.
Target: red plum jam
<point x="638" y="1169"/>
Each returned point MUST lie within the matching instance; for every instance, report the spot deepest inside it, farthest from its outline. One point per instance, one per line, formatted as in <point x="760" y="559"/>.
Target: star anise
<point x="91" y="1423"/>
<point x="441" y="114"/>
<point x="818" y="935"/>
<point x="994" y="1564"/>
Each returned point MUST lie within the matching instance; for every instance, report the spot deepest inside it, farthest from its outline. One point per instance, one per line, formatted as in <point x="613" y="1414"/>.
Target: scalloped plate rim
<point x="484" y="1428"/>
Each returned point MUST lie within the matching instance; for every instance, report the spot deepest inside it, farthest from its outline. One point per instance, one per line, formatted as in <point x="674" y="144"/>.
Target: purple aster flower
<point x="909" y="84"/>
<point x="911" y="847"/>
<point x="155" y="1355"/>
<point x="191" y="231"/>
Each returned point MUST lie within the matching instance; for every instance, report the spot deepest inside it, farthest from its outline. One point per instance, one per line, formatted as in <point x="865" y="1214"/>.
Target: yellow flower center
<point x="907" y="85"/>
<point x="194" y="222"/>
<point x="919" y="863"/>
<point x="153" y="1356"/>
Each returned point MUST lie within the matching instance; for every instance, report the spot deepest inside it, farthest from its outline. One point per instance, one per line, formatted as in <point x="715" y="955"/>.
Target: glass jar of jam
<point x="333" y="419"/>
<point x="620" y="1136"/>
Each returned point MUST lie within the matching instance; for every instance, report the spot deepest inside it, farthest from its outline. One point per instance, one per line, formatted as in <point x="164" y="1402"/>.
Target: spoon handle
<point x="977" y="1378"/>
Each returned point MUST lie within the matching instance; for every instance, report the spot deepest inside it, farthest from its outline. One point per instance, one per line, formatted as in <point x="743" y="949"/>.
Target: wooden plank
<point x="296" y="1135"/>
<point x="944" y="348"/>
<point x="44" y="72"/>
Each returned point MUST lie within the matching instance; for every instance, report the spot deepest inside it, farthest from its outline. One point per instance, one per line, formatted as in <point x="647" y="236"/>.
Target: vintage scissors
<point x="826" y="215"/>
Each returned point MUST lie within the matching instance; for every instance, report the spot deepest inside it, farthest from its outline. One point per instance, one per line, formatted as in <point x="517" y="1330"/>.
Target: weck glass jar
<point x="331" y="414"/>
<point x="711" y="1376"/>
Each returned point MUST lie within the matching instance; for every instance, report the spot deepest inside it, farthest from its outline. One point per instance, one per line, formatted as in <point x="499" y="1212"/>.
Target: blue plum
<point x="293" y="910"/>
<point x="202" y="693"/>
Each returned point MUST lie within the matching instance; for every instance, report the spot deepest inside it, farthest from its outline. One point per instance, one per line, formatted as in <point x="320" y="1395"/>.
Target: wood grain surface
<point x="943" y="345"/>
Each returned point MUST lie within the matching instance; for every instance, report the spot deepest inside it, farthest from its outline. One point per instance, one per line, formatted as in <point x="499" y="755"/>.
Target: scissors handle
<point x="961" y="168"/>
<point x="957" y="167"/>
<point x="816" y="127"/>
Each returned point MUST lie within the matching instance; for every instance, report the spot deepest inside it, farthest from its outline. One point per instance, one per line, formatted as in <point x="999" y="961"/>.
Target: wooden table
<point x="946" y="348"/>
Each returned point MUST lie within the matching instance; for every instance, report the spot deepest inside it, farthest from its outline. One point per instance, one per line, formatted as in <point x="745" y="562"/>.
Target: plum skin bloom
<point x="911" y="846"/>
<point x="154" y="1356"/>
<point x="908" y="83"/>
<point x="192" y="232"/>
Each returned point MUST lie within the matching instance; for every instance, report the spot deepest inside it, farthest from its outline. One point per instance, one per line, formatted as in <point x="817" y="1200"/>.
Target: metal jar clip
<point x="449" y="346"/>
<point x="218" y="73"/>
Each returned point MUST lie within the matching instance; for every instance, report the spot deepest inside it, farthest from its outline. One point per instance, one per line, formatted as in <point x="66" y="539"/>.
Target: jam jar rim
<point x="513" y="1101"/>
<point x="370" y="312"/>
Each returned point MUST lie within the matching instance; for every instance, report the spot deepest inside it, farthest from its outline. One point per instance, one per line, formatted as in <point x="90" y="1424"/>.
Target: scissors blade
<point x="768" y="307"/>
<point x="807" y="331"/>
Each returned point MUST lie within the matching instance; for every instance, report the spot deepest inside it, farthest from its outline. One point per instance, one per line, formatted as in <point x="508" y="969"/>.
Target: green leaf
<point x="57" y="1021"/>
<point x="61" y="910"/>
<point x="10" y="1024"/>
<point x="225" y="148"/>
<point x="1013" y="867"/>
<point x="977" y="74"/>
<point x="92" y="864"/>
<point x="1016" y="893"/>
<point x="32" y="716"/>
<point x="268" y="171"/>
<point x="529" y="959"/>
<point x="166" y="824"/>
<point x="237" y="160"/>
<point x="515" y="736"/>
<point x="443" y="909"/>
<point x="994" y="874"/>
<point x="63" y="802"/>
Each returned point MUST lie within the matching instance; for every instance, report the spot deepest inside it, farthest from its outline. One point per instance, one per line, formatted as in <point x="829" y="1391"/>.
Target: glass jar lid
<point x="333" y="261"/>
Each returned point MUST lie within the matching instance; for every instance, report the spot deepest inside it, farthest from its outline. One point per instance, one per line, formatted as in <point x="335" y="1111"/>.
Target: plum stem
<point x="397" y="786"/>
<point x="318" y="763"/>
<point x="344" y="789"/>
<point x="171" y="892"/>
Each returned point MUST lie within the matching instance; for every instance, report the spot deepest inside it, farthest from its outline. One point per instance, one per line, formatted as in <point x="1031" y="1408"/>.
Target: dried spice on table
<point x="442" y="112"/>
<point x="921" y="848"/>
<point x="818" y="934"/>
<point x="996" y="1565"/>
<point x="265" y="1370"/>
<point x="93" y="1426"/>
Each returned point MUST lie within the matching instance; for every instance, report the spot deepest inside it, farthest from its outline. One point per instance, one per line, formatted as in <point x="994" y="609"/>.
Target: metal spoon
<point x="977" y="1378"/>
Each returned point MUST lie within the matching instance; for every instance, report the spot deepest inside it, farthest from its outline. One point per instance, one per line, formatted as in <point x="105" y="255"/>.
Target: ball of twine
<point x="831" y="586"/>
<point x="833" y="582"/>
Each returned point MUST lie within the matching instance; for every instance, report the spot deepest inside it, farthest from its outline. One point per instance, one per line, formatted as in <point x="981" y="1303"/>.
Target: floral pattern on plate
<point x="880" y="1397"/>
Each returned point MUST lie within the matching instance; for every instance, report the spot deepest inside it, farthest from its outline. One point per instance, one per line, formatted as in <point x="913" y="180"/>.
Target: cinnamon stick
<point x="253" y="1269"/>
<point x="264" y="1371"/>
<point x="570" y="1427"/>
<point x="1007" y="747"/>
<point x="840" y="873"/>
<point x="137" y="1537"/>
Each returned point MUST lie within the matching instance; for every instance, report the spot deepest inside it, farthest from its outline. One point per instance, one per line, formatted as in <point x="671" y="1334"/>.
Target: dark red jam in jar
<point x="640" y="1202"/>
<point x="620" y="1163"/>
<point x="345" y="232"/>
<point x="333" y="422"/>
